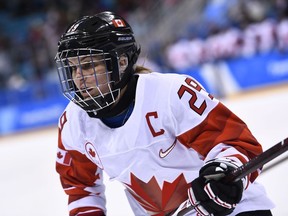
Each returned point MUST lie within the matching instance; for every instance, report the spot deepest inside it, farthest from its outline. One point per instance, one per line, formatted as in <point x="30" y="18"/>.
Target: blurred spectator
<point x="5" y="62"/>
<point x="259" y="37"/>
<point x="282" y="35"/>
<point x="226" y="29"/>
<point x="235" y="28"/>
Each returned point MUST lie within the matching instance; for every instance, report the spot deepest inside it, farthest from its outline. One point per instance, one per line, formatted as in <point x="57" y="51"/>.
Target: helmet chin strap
<point x="128" y="71"/>
<point x="126" y="99"/>
<point x="128" y="79"/>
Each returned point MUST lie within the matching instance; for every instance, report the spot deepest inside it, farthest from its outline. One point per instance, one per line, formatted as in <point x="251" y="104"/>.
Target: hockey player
<point x="161" y="135"/>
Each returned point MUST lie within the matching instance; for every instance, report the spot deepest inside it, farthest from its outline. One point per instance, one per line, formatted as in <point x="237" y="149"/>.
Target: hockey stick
<point x="241" y="171"/>
<point x="272" y="165"/>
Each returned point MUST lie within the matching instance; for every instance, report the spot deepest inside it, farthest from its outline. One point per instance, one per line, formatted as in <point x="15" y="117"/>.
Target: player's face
<point x="90" y="76"/>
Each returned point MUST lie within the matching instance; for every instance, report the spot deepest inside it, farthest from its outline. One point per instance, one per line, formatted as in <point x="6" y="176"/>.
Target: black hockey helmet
<point x="104" y="36"/>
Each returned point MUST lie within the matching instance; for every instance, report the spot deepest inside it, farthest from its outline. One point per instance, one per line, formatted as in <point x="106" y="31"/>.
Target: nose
<point x="77" y="70"/>
<point x="78" y="73"/>
<point x="78" y="76"/>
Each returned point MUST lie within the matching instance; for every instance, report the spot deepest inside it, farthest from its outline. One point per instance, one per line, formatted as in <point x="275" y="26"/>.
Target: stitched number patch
<point x="195" y="86"/>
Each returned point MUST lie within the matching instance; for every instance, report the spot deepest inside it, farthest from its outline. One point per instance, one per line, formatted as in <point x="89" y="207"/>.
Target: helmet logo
<point x="118" y="23"/>
<point x="125" y="38"/>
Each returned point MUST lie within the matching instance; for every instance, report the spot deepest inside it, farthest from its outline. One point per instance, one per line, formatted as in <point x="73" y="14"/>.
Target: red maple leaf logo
<point x="59" y="155"/>
<point x="159" y="200"/>
<point x="91" y="152"/>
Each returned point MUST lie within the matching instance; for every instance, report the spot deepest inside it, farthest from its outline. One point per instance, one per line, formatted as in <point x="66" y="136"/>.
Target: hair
<point x="142" y="70"/>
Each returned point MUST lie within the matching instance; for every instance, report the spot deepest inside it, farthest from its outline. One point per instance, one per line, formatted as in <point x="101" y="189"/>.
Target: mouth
<point x="88" y="92"/>
<point x="86" y="88"/>
<point x="85" y="91"/>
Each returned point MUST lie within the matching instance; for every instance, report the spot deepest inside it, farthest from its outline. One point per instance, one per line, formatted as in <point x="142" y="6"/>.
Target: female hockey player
<point x="161" y="135"/>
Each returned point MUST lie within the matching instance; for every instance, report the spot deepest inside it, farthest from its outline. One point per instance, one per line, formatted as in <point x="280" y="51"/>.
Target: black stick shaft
<point x="258" y="161"/>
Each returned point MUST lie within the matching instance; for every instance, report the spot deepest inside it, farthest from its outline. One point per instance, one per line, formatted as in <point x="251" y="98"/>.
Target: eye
<point x="87" y="66"/>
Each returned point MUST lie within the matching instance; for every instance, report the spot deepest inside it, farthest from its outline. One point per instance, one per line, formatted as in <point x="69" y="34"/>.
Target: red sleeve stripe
<point x="221" y="126"/>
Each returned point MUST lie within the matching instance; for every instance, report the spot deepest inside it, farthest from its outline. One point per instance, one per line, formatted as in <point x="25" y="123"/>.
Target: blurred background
<point x="237" y="49"/>
<point x="230" y="46"/>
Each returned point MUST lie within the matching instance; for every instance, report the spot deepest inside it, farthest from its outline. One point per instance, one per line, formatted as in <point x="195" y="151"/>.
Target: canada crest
<point x="93" y="155"/>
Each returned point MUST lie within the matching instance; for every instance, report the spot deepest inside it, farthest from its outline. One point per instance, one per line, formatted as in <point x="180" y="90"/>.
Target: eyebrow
<point x="95" y="63"/>
<point x="78" y="60"/>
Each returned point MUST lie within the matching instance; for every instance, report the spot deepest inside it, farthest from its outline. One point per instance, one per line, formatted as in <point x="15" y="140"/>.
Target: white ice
<point x="29" y="185"/>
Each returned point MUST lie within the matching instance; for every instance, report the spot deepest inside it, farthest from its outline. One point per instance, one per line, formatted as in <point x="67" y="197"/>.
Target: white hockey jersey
<point x="174" y="128"/>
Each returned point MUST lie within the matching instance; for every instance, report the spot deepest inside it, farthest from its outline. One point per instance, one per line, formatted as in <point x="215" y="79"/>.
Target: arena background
<point x="236" y="48"/>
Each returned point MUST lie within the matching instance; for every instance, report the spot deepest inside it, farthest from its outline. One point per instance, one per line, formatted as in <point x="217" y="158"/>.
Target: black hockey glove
<point x="209" y="195"/>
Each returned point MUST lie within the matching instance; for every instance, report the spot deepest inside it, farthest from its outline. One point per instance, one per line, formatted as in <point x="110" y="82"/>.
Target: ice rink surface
<point x="29" y="185"/>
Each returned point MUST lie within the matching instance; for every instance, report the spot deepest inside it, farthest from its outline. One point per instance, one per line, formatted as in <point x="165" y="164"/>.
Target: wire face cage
<point x="86" y="78"/>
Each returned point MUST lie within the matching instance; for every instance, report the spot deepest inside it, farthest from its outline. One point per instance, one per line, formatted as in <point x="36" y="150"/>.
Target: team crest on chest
<point x="93" y="155"/>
